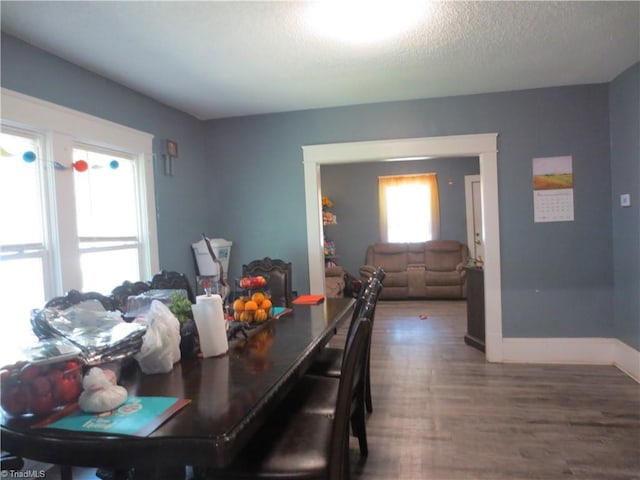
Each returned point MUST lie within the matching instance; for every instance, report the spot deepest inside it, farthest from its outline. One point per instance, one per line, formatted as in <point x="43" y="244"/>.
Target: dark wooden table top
<point x="231" y="397"/>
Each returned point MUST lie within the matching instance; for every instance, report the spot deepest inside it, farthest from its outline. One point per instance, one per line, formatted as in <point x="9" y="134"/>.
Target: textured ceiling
<point x="222" y="59"/>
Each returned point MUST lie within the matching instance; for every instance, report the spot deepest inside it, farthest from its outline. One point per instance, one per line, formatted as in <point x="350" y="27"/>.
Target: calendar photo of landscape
<point x="553" y="181"/>
<point x="552" y="173"/>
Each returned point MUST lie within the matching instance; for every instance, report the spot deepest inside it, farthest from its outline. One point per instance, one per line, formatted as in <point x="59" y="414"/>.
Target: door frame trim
<point x="483" y="146"/>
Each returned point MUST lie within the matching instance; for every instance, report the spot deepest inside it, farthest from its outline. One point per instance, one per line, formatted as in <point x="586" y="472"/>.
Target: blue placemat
<point x="138" y="416"/>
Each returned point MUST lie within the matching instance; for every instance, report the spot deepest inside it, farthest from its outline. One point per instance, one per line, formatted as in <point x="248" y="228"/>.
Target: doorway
<point x="472" y="194"/>
<point x="483" y="146"/>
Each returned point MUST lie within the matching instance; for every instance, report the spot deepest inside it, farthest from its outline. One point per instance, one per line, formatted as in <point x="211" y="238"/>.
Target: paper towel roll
<point x="212" y="331"/>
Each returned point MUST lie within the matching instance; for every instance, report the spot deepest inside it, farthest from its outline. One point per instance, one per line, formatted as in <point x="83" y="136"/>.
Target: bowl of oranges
<point x="254" y="308"/>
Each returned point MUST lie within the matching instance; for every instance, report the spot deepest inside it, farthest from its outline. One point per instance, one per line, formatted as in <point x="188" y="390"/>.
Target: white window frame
<point x="42" y="251"/>
<point x="63" y="128"/>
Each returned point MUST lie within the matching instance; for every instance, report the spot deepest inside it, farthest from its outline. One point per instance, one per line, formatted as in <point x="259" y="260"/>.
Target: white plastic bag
<point x="161" y="342"/>
<point x="101" y="392"/>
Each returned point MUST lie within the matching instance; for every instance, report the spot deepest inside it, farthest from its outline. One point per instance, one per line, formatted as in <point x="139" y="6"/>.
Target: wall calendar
<point x="553" y="189"/>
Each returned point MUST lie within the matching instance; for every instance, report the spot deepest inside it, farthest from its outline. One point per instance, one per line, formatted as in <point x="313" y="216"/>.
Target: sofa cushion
<point x="387" y="248"/>
<point x="392" y="257"/>
<point x="415" y="253"/>
<point x="395" y="279"/>
<point x="443" y="245"/>
<point x="444" y="255"/>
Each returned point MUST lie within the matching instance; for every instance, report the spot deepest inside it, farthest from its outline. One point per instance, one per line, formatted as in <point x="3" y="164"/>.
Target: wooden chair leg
<point x="359" y="429"/>
<point x="367" y="385"/>
<point x="66" y="472"/>
<point x="10" y="462"/>
<point x="367" y="392"/>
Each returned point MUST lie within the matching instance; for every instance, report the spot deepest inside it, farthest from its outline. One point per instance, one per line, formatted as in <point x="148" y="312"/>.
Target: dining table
<point x="230" y="396"/>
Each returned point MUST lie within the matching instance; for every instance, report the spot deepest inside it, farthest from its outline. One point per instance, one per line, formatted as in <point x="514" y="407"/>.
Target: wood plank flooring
<point x="441" y="412"/>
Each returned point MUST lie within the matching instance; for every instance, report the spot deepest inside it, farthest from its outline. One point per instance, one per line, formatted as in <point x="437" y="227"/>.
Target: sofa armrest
<point x="336" y="271"/>
<point x="366" y="271"/>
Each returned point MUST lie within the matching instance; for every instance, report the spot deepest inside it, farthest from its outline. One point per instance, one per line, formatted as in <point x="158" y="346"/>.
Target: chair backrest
<point x="364" y="309"/>
<point x="379" y="274"/>
<point x="279" y="278"/>
<point x="374" y="291"/>
<point x="73" y="297"/>
<point x="121" y="293"/>
<point x="351" y="385"/>
<point x="369" y="293"/>
<point x="173" y="280"/>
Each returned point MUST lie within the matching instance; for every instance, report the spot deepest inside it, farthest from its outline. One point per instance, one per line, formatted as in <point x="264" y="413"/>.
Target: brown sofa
<point x="433" y="269"/>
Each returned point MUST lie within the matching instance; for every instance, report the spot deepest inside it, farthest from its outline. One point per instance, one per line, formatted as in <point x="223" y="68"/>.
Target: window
<point x="23" y="252"/>
<point x="77" y="207"/>
<point x="107" y="224"/>
<point x="409" y="208"/>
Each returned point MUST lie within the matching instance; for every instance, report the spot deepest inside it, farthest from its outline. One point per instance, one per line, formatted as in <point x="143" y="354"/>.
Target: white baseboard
<point x="627" y="359"/>
<point x="589" y="351"/>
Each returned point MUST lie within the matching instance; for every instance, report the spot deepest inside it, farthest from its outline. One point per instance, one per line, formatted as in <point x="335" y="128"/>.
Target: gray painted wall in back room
<point x="353" y="189"/>
<point x="242" y="179"/>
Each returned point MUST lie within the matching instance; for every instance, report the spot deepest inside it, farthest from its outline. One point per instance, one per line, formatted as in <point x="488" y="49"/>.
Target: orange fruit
<point x="260" y="315"/>
<point x="258" y="297"/>
<point x="238" y="305"/>
<point x="251" y="306"/>
<point x="246" y="316"/>
<point x="266" y="304"/>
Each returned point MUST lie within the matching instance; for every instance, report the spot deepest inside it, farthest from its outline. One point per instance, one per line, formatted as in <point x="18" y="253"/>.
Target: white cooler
<point x="222" y="249"/>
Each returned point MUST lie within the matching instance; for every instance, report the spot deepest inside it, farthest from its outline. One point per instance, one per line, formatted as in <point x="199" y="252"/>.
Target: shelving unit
<point x="328" y="219"/>
<point x="335" y="275"/>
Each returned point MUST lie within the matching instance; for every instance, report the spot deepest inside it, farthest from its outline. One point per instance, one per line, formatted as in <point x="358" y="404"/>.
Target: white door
<point x="475" y="237"/>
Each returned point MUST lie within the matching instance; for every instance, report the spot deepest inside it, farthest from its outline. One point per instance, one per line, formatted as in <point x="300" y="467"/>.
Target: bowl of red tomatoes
<point x="39" y="386"/>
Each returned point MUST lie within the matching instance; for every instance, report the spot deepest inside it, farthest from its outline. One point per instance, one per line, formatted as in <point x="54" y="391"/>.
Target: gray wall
<point x="242" y="179"/>
<point x="557" y="278"/>
<point x="624" y="95"/>
<point x="183" y="201"/>
<point x="353" y="188"/>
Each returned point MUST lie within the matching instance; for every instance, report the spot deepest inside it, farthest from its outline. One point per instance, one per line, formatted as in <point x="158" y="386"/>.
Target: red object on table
<point x="308" y="299"/>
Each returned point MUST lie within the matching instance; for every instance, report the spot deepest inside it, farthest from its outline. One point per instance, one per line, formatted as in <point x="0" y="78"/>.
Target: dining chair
<point x="297" y="443"/>
<point x="329" y="361"/>
<point x="121" y="293"/>
<point x="173" y="281"/>
<point x="278" y="274"/>
<point x="73" y="297"/>
<point x="324" y="404"/>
